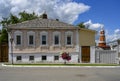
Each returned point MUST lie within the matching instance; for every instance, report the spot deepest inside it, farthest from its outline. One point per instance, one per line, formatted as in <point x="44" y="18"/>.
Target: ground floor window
<point x="19" y="58"/>
<point x="44" y="57"/>
<point x="31" y="58"/>
<point x="56" y="58"/>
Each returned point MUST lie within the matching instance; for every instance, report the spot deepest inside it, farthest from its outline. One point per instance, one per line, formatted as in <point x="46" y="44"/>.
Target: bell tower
<point x="102" y="39"/>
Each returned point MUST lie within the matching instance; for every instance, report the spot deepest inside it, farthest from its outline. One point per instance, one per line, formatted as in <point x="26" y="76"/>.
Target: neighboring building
<point x="115" y="45"/>
<point x="87" y="45"/>
<point x="43" y="39"/>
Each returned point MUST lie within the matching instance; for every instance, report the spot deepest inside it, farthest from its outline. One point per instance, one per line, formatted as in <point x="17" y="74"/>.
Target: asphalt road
<point x="58" y="74"/>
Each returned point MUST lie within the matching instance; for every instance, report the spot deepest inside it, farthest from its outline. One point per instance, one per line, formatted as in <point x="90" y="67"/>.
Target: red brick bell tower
<point x="102" y="40"/>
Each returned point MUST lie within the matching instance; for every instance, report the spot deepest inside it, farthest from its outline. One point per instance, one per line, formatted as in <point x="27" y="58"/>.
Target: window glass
<point x="68" y="40"/>
<point x="31" y="57"/>
<point x="18" y="58"/>
<point x="44" y="58"/>
<point x="18" y="39"/>
<point x="31" y="40"/>
<point x="43" y="39"/>
<point x="56" y="39"/>
<point x="56" y="57"/>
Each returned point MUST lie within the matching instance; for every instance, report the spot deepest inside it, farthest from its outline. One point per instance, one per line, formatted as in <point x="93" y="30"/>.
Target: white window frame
<point x="69" y="33"/>
<point x="41" y="34"/>
<point x="56" y="33"/>
<point x="18" y="33"/>
<point x="31" y="33"/>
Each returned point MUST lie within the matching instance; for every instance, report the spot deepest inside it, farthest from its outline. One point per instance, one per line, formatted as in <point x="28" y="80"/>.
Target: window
<point x="69" y="40"/>
<point x="44" y="57"/>
<point x="18" y="58"/>
<point x="18" y="39"/>
<point x="31" y="39"/>
<point x="56" y="39"/>
<point x="43" y="39"/>
<point x="31" y="58"/>
<point x="56" y="58"/>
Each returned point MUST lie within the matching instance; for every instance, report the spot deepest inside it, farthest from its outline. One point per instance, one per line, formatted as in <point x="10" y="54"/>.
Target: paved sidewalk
<point x="60" y="66"/>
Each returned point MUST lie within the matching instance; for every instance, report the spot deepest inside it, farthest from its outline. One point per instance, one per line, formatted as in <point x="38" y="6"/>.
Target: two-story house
<point x="43" y="39"/>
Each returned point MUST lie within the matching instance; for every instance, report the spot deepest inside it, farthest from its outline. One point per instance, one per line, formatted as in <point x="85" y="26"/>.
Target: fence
<point x="106" y="56"/>
<point x="4" y="52"/>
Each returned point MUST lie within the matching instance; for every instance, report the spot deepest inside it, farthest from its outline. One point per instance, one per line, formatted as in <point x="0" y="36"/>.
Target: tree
<point x="4" y="36"/>
<point x="66" y="57"/>
<point x="24" y="16"/>
<point x="12" y="19"/>
<point x="81" y="25"/>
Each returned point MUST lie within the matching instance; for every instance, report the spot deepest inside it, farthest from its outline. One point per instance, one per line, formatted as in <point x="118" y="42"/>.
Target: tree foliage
<point x="12" y="19"/>
<point x="81" y="25"/>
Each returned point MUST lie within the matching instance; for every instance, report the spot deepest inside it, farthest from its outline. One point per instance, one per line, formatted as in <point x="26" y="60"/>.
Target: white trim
<point x="43" y="33"/>
<point x="33" y="34"/>
<point x="16" y="33"/>
<point x="59" y="36"/>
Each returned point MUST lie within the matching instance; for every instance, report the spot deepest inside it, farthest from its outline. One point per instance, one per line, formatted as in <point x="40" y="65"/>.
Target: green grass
<point x="65" y="64"/>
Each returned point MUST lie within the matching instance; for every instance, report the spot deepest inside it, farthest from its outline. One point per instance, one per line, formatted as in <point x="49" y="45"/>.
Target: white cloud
<point x="110" y="35"/>
<point x="117" y="31"/>
<point x="89" y="24"/>
<point x="64" y="10"/>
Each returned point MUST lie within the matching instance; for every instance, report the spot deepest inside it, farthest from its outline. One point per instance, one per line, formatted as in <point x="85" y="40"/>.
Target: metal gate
<point x="106" y="56"/>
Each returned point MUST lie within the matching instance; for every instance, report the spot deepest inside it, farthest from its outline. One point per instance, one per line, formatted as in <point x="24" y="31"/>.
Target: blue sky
<point x="106" y="12"/>
<point x="95" y="13"/>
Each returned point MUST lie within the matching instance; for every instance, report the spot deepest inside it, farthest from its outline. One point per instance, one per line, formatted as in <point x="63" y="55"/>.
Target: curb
<point x="62" y="66"/>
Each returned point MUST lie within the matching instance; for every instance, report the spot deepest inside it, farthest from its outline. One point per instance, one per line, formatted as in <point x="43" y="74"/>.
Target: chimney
<point x="57" y="19"/>
<point x="44" y="16"/>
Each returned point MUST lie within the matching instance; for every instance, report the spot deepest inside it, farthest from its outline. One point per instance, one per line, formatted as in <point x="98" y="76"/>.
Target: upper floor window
<point x="69" y="36"/>
<point x="18" y="37"/>
<point x="31" y="37"/>
<point x="69" y="40"/>
<point x="56" y="38"/>
<point x="43" y="38"/>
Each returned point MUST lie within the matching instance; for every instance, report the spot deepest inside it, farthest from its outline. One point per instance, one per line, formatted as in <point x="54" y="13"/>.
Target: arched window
<point x="18" y="38"/>
<point x="68" y="38"/>
<point x="44" y="38"/>
<point x="31" y="38"/>
<point x="56" y="38"/>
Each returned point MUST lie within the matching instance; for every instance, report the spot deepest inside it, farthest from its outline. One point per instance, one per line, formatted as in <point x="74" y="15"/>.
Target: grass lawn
<point x="65" y="64"/>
